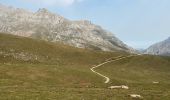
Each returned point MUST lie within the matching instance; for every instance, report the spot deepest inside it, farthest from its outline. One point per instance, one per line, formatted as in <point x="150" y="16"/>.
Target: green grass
<point x="139" y="73"/>
<point x="62" y="72"/>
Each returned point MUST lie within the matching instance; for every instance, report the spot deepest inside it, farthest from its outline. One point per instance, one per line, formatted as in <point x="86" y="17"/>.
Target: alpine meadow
<point x="45" y="56"/>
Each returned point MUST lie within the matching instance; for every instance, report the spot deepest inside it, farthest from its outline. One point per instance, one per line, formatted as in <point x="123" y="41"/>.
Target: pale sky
<point x="138" y="23"/>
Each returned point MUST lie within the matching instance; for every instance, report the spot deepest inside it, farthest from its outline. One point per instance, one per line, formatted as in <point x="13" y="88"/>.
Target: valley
<point x="35" y="69"/>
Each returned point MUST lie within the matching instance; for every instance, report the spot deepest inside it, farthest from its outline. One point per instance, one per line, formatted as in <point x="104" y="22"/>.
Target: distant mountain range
<point x="55" y="28"/>
<point x="161" y="48"/>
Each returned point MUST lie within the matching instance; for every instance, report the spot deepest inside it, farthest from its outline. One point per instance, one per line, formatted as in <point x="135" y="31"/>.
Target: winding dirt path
<point x="107" y="79"/>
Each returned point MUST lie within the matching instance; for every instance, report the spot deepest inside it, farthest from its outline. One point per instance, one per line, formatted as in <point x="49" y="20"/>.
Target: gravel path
<point x="107" y="79"/>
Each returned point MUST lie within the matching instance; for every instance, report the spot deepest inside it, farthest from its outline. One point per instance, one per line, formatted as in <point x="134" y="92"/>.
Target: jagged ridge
<point x="52" y="27"/>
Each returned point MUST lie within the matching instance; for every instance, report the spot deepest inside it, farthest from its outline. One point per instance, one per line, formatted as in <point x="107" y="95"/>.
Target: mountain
<point x="161" y="48"/>
<point x="54" y="28"/>
<point x="140" y="50"/>
<point x="16" y="49"/>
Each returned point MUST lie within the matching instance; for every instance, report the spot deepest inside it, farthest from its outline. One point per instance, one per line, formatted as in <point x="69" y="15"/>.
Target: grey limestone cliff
<point x="53" y="27"/>
<point x="161" y="48"/>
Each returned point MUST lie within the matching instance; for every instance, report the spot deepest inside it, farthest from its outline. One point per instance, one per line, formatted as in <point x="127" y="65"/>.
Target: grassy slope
<point x="139" y="73"/>
<point x="63" y="72"/>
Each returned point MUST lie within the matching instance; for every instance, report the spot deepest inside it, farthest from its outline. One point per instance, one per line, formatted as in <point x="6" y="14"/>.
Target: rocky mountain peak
<point x="48" y="26"/>
<point x="160" y="48"/>
<point x="43" y="10"/>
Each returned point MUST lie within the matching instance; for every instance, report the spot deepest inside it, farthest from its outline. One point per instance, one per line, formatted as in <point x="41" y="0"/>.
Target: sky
<point x="138" y="23"/>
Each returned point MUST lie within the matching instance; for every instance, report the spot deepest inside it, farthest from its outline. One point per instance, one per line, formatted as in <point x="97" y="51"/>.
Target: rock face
<point x="52" y="27"/>
<point x="161" y="48"/>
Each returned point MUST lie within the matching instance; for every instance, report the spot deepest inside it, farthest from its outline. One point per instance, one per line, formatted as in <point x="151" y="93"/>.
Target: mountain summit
<point x="161" y="48"/>
<point x="52" y="27"/>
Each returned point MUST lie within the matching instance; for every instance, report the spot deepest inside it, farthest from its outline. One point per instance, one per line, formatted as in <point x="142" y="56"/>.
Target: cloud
<point x="62" y="3"/>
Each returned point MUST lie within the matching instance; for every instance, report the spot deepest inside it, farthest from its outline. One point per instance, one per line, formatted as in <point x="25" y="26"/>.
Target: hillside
<point x="48" y="26"/>
<point x="161" y="48"/>
<point x="35" y="69"/>
<point x="38" y="51"/>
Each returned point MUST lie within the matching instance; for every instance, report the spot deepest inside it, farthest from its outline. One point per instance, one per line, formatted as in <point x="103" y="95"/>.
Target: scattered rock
<point x="119" y="87"/>
<point x="135" y="96"/>
<point x="125" y="87"/>
<point x="154" y="82"/>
